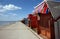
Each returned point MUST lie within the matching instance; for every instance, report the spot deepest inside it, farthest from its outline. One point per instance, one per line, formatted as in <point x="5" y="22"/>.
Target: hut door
<point x="47" y="25"/>
<point x="51" y="29"/>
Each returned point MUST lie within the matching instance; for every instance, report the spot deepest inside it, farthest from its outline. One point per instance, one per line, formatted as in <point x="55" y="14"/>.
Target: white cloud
<point x="11" y="7"/>
<point x="8" y="7"/>
<point x="12" y="14"/>
<point x="9" y="14"/>
<point x="1" y="8"/>
<point x="33" y="11"/>
<point x="5" y="15"/>
<point x="1" y="14"/>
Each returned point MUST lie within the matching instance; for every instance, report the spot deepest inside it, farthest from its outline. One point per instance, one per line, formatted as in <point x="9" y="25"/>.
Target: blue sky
<point x="14" y="10"/>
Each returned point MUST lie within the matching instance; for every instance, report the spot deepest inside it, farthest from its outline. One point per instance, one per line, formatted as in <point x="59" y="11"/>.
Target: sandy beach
<point x="18" y="31"/>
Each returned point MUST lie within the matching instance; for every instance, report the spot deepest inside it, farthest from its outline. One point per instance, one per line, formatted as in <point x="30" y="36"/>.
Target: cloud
<point x="8" y="14"/>
<point x="11" y="7"/>
<point x="8" y="7"/>
<point x="1" y="14"/>
<point x="4" y="15"/>
<point x="33" y="11"/>
<point x="12" y="14"/>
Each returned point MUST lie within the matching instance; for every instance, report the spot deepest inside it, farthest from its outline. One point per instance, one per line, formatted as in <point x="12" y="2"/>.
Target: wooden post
<point x="52" y="30"/>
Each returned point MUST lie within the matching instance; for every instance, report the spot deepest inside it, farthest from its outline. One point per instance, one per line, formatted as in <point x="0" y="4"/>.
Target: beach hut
<point x="25" y="21"/>
<point x="33" y="22"/>
<point x="49" y="18"/>
<point x="22" y="21"/>
<point x="54" y="7"/>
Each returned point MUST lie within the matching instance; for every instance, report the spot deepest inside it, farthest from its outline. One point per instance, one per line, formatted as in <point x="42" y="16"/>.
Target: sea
<point x="5" y="23"/>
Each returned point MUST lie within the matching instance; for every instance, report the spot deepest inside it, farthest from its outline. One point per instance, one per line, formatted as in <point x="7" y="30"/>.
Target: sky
<point x="14" y="10"/>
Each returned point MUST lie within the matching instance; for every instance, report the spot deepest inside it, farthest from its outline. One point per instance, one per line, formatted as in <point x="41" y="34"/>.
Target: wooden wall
<point x="47" y="26"/>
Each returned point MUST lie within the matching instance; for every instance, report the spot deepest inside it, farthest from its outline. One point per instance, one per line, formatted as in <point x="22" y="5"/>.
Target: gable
<point x="42" y="8"/>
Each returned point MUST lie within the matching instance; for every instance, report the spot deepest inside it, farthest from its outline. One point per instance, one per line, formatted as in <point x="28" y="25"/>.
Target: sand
<point x="18" y="31"/>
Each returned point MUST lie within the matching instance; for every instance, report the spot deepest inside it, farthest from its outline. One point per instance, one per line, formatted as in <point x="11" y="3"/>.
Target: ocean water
<point x="4" y="23"/>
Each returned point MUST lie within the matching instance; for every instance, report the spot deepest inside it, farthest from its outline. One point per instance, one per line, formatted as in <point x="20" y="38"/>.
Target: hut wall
<point x="47" y="25"/>
<point x="57" y="29"/>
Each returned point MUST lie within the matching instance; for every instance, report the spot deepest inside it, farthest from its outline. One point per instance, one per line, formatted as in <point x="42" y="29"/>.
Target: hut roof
<point x="54" y="7"/>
